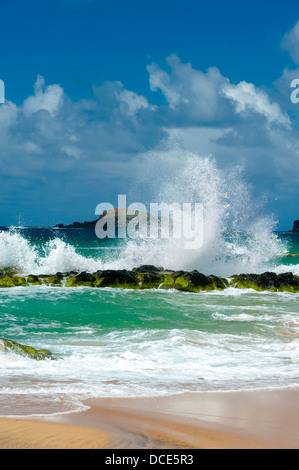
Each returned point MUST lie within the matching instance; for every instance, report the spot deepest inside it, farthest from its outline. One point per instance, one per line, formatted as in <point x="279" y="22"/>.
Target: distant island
<point x="295" y="226"/>
<point x="115" y="213"/>
<point x="90" y="225"/>
<point x="85" y="225"/>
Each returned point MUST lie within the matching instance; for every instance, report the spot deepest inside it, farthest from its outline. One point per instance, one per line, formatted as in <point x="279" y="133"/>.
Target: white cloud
<point x="247" y="97"/>
<point x="31" y="147"/>
<point x="191" y="94"/>
<point x="131" y="103"/>
<point x="8" y="115"/>
<point x="161" y="80"/>
<point x="290" y="43"/>
<point x="48" y="99"/>
<point x="72" y="151"/>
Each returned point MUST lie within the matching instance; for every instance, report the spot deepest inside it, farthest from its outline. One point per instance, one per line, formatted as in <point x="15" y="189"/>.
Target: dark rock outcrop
<point x="150" y="277"/>
<point x="267" y="281"/>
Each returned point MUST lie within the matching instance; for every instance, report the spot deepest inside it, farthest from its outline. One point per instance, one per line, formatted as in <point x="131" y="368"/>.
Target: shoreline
<point x="257" y="419"/>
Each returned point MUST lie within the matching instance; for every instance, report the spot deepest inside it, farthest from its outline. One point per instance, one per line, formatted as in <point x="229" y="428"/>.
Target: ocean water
<point x="115" y="342"/>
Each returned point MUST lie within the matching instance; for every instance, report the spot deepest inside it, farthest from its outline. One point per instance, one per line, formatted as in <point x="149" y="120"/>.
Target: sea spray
<point x="237" y="235"/>
<point x="54" y="255"/>
<point x="16" y="252"/>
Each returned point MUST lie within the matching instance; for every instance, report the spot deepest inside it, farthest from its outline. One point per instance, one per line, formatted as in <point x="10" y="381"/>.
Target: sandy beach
<point x="207" y="420"/>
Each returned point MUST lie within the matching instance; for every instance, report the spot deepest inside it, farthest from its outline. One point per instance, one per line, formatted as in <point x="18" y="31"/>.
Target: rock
<point x="219" y="283"/>
<point x="266" y="281"/>
<point x="149" y="280"/>
<point x="116" y="278"/>
<point x="82" y="279"/>
<point x="151" y="277"/>
<point x="192" y="281"/>
<point x="296" y="226"/>
<point x="23" y="350"/>
<point x="10" y="280"/>
<point x="51" y="280"/>
<point x="147" y="268"/>
<point x="254" y="281"/>
<point x="288" y="282"/>
<point x="33" y="280"/>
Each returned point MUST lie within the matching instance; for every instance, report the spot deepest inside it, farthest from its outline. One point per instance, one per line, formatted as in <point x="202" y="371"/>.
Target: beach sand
<point x="265" y="419"/>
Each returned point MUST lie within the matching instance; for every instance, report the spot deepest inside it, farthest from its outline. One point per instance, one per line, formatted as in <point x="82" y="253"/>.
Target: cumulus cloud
<point x="247" y="97"/>
<point x="45" y="98"/>
<point x="190" y="94"/>
<point x="131" y="103"/>
<point x="88" y="140"/>
<point x="8" y="115"/>
<point x="290" y="43"/>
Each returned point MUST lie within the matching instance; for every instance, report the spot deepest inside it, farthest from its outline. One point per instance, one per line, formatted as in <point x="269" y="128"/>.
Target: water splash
<point x="237" y="236"/>
<point x="53" y="256"/>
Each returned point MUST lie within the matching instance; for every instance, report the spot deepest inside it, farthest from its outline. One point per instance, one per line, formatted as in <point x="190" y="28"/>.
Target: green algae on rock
<point x="7" y="345"/>
<point x="268" y="281"/>
<point x="51" y="280"/>
<point x="193" y="282"/>
<point x="151" y="277"/>
<point x="7" y="279"/>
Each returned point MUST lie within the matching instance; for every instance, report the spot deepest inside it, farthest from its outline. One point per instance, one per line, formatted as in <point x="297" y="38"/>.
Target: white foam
<point x="174" y="175"/>
<point x="57" y="256"/>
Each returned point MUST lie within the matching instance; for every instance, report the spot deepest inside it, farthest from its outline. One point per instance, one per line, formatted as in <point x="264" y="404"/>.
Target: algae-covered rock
<point x="193" y="281"/>
<point x="247" y="281"/>
<point x="9" y="280"/>
<point x="148" y="276"/>
<point x="33" y="280"/>
<point x="288" y="282"/>
<point x="116" y="278"/>
<point x="82" y="279"/>
<point x="269" y="281"/>
<point x="219" y="283"/>
<point x="7" y="345"/>
<point x="51" y="280"/>
<point x="149" y="280"/>
<point x="108" y="278"/>
<point x="151" y="277"/>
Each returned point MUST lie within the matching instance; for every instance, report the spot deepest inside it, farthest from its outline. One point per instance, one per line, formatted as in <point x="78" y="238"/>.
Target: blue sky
<point x="93" y="85"/>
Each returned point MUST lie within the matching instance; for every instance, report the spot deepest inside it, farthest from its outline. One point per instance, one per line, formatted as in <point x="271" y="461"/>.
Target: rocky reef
<point x="7" y="345"/>
<point x="152" y="277"/>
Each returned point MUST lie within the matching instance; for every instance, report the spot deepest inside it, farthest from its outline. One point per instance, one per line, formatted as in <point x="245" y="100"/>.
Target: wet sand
<point x="27" y="434"/>
<point x="204" y="420"/>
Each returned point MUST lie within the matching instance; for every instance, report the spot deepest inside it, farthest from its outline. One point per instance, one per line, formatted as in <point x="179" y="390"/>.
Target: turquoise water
<point x="114" y="342"/>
